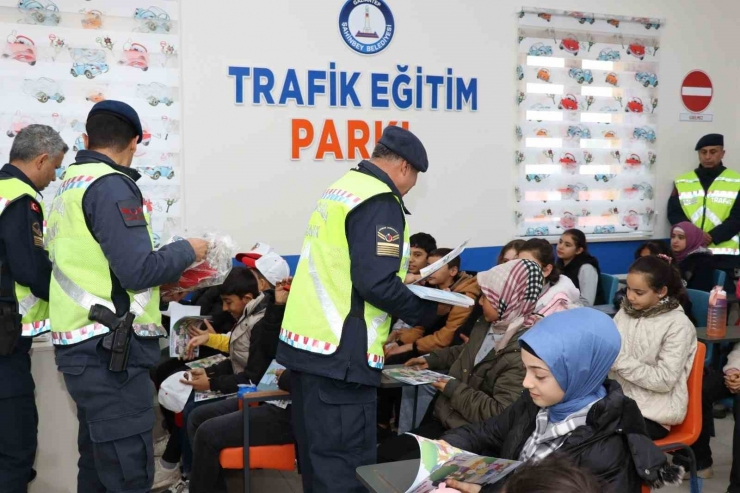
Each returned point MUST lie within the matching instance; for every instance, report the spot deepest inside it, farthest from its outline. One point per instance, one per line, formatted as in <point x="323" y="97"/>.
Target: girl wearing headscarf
<point x="693" y="259"/>
<point x="487" y="371"/>
<point x="569" y="406"/>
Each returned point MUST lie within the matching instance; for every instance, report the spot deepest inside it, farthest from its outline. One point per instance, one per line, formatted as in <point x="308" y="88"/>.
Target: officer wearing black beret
<point x="348" y="285"/>
<point x="100" y="241"/>
<point x="707" y="197"/>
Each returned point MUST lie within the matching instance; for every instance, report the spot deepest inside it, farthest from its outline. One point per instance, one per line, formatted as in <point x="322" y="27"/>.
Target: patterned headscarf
<point x="513" y="289"/>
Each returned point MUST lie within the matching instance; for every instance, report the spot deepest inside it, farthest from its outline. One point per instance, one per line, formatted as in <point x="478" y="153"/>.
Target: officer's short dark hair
<point x="105" y="131"/>
<point x="35" y="140"/>
<point x="240" y="282"/>
<point x="424" y="241"/>
<point x="382" y="152"/>
<point x="441" y="252"/>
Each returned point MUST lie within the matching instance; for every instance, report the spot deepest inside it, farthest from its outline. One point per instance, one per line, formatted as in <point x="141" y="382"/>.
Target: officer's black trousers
<point x="115" y="413"/>
<point x="18" y="428"/>
<point x="334" y="423"/>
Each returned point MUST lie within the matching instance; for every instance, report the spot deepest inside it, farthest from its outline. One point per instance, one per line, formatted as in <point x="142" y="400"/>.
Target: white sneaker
<point x="164" y="477"/>
<point x="182" y="486"/>
<point x="160" y="445"/>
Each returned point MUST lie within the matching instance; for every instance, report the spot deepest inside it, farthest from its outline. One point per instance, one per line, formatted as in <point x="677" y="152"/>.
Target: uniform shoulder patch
<point x="387" y="242"/>
<point x="132" y="212"/>
<point x="38" y="235"/>
<point x="35" y="207"/>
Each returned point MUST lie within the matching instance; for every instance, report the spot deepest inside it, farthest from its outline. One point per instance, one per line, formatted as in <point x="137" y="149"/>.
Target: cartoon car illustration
<point x="540" y="107"/>
<point x="631" y="220"/>
<point x="156" y="240"/>
<point x="599" y="230"/>
<point x="539" y="231"/>
<point x="40" y="12"/>
<point x="19" y="122"/>
<point x="155" y="93"/>
<point x="568" y="161"/>
<point x="609" y="55"/>
<point x="89" y="70"/>
<point x="569" y="102"/>
<point x="633" y="161"/>
<point x="634" y="106"/>
<point x="568" y="220"/>
<point x="79" y="144"/>
<point x="636" y="49"/>
<point x="43" y="89"/>
<point x="135" y="55"/>
<point x="20" y="48"/>
<point x="541" y="132"/>
<point x="540" y="49"/>
<point x="584" y="20"/>
<point x="647" y="79"/>
<point x="604" y="178"/>
<point x="158" y="171"/>
<point x="646" y="189"/>
<point x="519" y="72"/>
<point x="613" y="22"/>
<point x="536" y="178"/>
<point x="154" y="19"/>
<point x="608" y="109"/>
<point x="95" y="96"/>
<point x="547" y="17"/>
<point x="543" y="74"/>
<point x="612" y="78"/>
<point x="581" y="76"/>
<point x="576" y="131"/>
<point x="92" y="19"/>
<point x="645" y="133"/>
<point x="573" y="191"/>
<point x="570" y="44"/>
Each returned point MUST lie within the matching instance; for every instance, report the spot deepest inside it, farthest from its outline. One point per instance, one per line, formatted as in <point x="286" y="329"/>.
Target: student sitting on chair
<point x="576" y="263"/>
<point x="540" y="251"/>
<point x="509" y="251"/>
<point x="693" y="259"/>
<point x="658" y="345"/>
<point x="487" y="371"/>
<point x="570" y="407"/>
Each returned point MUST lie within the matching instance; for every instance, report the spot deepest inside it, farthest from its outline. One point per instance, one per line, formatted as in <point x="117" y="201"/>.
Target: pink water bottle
<point x="717" y="313"/>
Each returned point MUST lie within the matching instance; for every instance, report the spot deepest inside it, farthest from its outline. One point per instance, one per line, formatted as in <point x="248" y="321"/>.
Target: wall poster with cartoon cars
<point x="587" y="128"/>
<point x="60" y="57"/>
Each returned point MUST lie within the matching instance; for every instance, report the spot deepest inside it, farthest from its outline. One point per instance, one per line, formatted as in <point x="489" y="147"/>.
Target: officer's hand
<point x="194" y="343"/>
<point x="200" y="247"/>
<point x="282" y="290"/>
<point x="463" y="487"/>
<point x="411" y="278"/>
<point x="421" y="363"/>
<point x="707" y="239"/>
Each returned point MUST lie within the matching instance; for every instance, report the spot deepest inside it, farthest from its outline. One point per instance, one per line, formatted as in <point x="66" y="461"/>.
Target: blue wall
<point x="615" y="257"/>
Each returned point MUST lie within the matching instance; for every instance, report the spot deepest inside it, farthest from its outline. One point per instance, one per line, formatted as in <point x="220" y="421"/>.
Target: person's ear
<point x="247" y="298"/>
<point x="547" y="270"/>
<point x="86" y="141"/>
<point x="579" y="250"/>
<point x="132" y="145"/>
<point x="663" y="292"/>
<point x="454" y="271"/>
<point x="41" y="160"/>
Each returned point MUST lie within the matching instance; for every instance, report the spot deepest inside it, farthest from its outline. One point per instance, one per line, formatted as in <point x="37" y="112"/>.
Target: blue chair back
<point x="608" y="285"/>
<point x="719" y="277"/>
<point x="699" y="309"/>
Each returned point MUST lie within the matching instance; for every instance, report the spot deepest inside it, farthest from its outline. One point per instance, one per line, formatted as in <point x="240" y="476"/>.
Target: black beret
<point x="120" y="110"/>
<point x="406" y="145"/>
<point x="710" y="140"/>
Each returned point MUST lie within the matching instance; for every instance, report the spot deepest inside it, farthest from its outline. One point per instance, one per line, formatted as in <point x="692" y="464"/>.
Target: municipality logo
<point x="366" y="25"/>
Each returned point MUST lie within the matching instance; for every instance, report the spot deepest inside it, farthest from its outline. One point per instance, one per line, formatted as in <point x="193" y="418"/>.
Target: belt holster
<point x="10" y="328"/>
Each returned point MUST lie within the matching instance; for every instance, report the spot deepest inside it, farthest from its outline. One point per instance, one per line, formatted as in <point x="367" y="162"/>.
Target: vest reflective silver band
<point x="87" y="300"/>
<point x="25" y="305"/>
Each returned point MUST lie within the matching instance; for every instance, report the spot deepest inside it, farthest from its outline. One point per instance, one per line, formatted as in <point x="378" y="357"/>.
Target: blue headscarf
<point x="579" y="346"/>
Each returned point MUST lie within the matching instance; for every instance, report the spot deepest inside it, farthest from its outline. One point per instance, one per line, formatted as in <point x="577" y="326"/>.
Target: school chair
<point x="719" y="277"/>
<point x="683" y="435"/>
<point x="277" y="457"/>
<point x="608" y="285"/>
<point x="699" y="309"/>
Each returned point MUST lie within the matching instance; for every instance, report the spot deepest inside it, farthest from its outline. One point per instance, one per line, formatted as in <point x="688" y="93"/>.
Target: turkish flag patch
<point x="132" y="212"/>
<point x="35" y="207"/>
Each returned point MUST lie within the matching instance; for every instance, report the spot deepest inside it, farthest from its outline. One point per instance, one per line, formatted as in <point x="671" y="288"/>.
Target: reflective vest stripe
<point x="335" y="320"/>
<point x="25" y="305"/>
<point x="729" y="180"/>
<point x="78" y="335"/>
<point x="77" y="182"/>
<point x="306" y="343"/>
<point x="33" y="329"/>
<point x="722" y="194"/>
<point x="375" y="361"/>
<point x="716" y="221"/>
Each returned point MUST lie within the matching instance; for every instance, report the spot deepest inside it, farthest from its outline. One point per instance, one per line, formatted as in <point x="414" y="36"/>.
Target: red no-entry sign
<point x="696" y="91"/>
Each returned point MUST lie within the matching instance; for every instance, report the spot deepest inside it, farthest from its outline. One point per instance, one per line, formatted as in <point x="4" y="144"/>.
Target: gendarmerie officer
<point x="25" y="269"/>
<point x="348" y="285"/>
<point x="100" y="243"/>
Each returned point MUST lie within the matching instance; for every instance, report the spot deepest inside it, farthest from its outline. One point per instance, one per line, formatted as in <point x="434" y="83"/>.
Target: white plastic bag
<point x="209" y="272"/>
